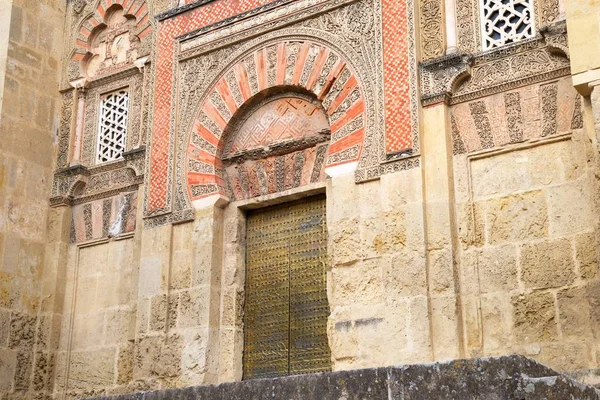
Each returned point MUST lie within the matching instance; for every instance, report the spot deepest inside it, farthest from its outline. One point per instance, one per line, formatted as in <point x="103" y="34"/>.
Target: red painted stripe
<point x="320" y="60"/>
<point x="206" y="134"/>
<point x="198" y="178"/>
<point x="141" y="10"/>
<point x="94" y="22"/>
<point x="335" y="71"/>
<point x="242" y="77"/>
<point x="130" y="8"/>
<point x="144" y="20"/>
<point x="261" y="69"/>
<point x="352" y="113"/>
<point x="214" y="114"/>
<point x="354" y="138"/>
<point x="225" y="92"/>
<point x="203" y="155"/>
<point x="84" y="31"/>
<point x="81" y="43"/>
<point x="300" y="63"/>
<point x="101" y="11"/>
<point x="145" y="31"/>
<point x="343" y="94"/>
<point x="281" y="62"/>
<point x="78" y="57"/>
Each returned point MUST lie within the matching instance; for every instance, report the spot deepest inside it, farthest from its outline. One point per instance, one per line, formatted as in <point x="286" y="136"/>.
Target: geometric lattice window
<point x="112" y="131"/>
<point x="506" y="21"/>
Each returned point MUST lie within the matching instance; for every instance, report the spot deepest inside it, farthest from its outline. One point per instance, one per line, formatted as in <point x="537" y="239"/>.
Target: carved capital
<point x="555" y="36"/>
<point x="440" y="77"/>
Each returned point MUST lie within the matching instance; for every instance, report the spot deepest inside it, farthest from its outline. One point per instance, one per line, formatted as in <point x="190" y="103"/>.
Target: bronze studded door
<point x="286" y="309"/>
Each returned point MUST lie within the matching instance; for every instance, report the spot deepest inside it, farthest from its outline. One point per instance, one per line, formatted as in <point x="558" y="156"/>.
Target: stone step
<point x="510" y="377"/>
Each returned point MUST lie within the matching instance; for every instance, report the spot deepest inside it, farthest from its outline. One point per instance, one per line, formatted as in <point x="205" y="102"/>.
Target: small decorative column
<point x="450" y="15"/>
<point x="77" y="121"/>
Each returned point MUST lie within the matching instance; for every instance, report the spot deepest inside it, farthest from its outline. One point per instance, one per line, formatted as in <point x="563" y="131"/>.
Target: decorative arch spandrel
<point x="297" y="63"/>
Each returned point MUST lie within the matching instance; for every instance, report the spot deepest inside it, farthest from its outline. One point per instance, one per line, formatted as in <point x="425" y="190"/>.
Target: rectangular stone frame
<point x="231" y="330"/>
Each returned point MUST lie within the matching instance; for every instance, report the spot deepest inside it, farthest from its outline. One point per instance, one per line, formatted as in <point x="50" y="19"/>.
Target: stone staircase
<point x="510" y="377"/>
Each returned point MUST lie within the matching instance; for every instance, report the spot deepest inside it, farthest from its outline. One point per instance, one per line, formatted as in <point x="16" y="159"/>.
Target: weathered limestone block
<point x="357" y="283"/>
<point x="587" y="255"/>
<point x="523" y="170"/>
<point x="42" y="371"/>
<point x="444" y="326"/>
<point x="125" y="364"/>
<point x="497" y="267"/>
<point x="383" y="233"/>
<point x="547" y="264"/>
<point x="471" y="224"/>
<point x="8" y="364"/>
<point x="534" y="317"/>
<point x="92" y="369"/>
<point x="193" y="308"/>
<point x="369" y="331"/>
<point x="516" y="217"/>
<point x="404" y="275"/>
<point x="401" y="188"/>
<point x="157" y="356"/>
<point x="88" y="330"/>
<point x="4" y="327"/>
<point x="568" y="216"/>
<point x="441" y="272"/>
<point x="341" y="204"/>
<point x="574" y="313"/>
<point x="345" y="242"/>
<point x="163" y="311"/>
<point x="565" y="356"/>
<point x="232" y="306"/>
<point x="497" y="318"/>
<point x="181" y="270"/>
<point x="22" y="331"/>
<point x="194" y="356"/>
<point x="120" y="325"/>
<point x="343" y="340"/>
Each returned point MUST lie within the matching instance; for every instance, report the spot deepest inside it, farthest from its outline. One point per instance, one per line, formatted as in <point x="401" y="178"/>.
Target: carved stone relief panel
<point x="528" y="113"/>
<point x="458" y="78"/>
<point x="104" y="218"/>
<point x="113" y="46"/>
<point x="106" y="36"/>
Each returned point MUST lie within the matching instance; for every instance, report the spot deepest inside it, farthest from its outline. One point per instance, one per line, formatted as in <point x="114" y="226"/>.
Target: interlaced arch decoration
<point x="139" y="30"/>
<point x="303" y="64"/>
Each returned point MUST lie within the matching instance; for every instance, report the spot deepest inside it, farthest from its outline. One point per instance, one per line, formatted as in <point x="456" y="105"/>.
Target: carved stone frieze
<point x="461" y="78"/>
<point x="439" y="77"/>
<point x="432" y="29"/>
<point x="79" y="184"/>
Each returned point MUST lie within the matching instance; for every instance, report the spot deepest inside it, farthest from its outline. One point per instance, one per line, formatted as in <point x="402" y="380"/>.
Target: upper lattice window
<point x="506" y="21"/>
<point x="112" y="131"/>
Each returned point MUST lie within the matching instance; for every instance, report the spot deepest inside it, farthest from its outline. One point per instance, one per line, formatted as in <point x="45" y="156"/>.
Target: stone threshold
<point x="494" y="378"/>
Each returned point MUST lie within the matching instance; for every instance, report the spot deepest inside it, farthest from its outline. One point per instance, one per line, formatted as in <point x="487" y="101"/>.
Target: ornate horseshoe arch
<point x="297" y="64"/>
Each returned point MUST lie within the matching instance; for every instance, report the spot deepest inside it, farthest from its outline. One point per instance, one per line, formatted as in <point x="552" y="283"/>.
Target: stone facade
<point x="461" y="184"/>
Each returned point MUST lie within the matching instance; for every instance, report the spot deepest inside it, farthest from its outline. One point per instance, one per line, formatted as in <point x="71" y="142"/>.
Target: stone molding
<point x="459" y="78"/>
<point x="79" y="184"/>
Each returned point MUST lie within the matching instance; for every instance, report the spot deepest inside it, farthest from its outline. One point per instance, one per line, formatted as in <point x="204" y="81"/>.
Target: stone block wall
<point x="378" y="280"/>
<point x="30" y="60"/>
<point x="528" y="242"/>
